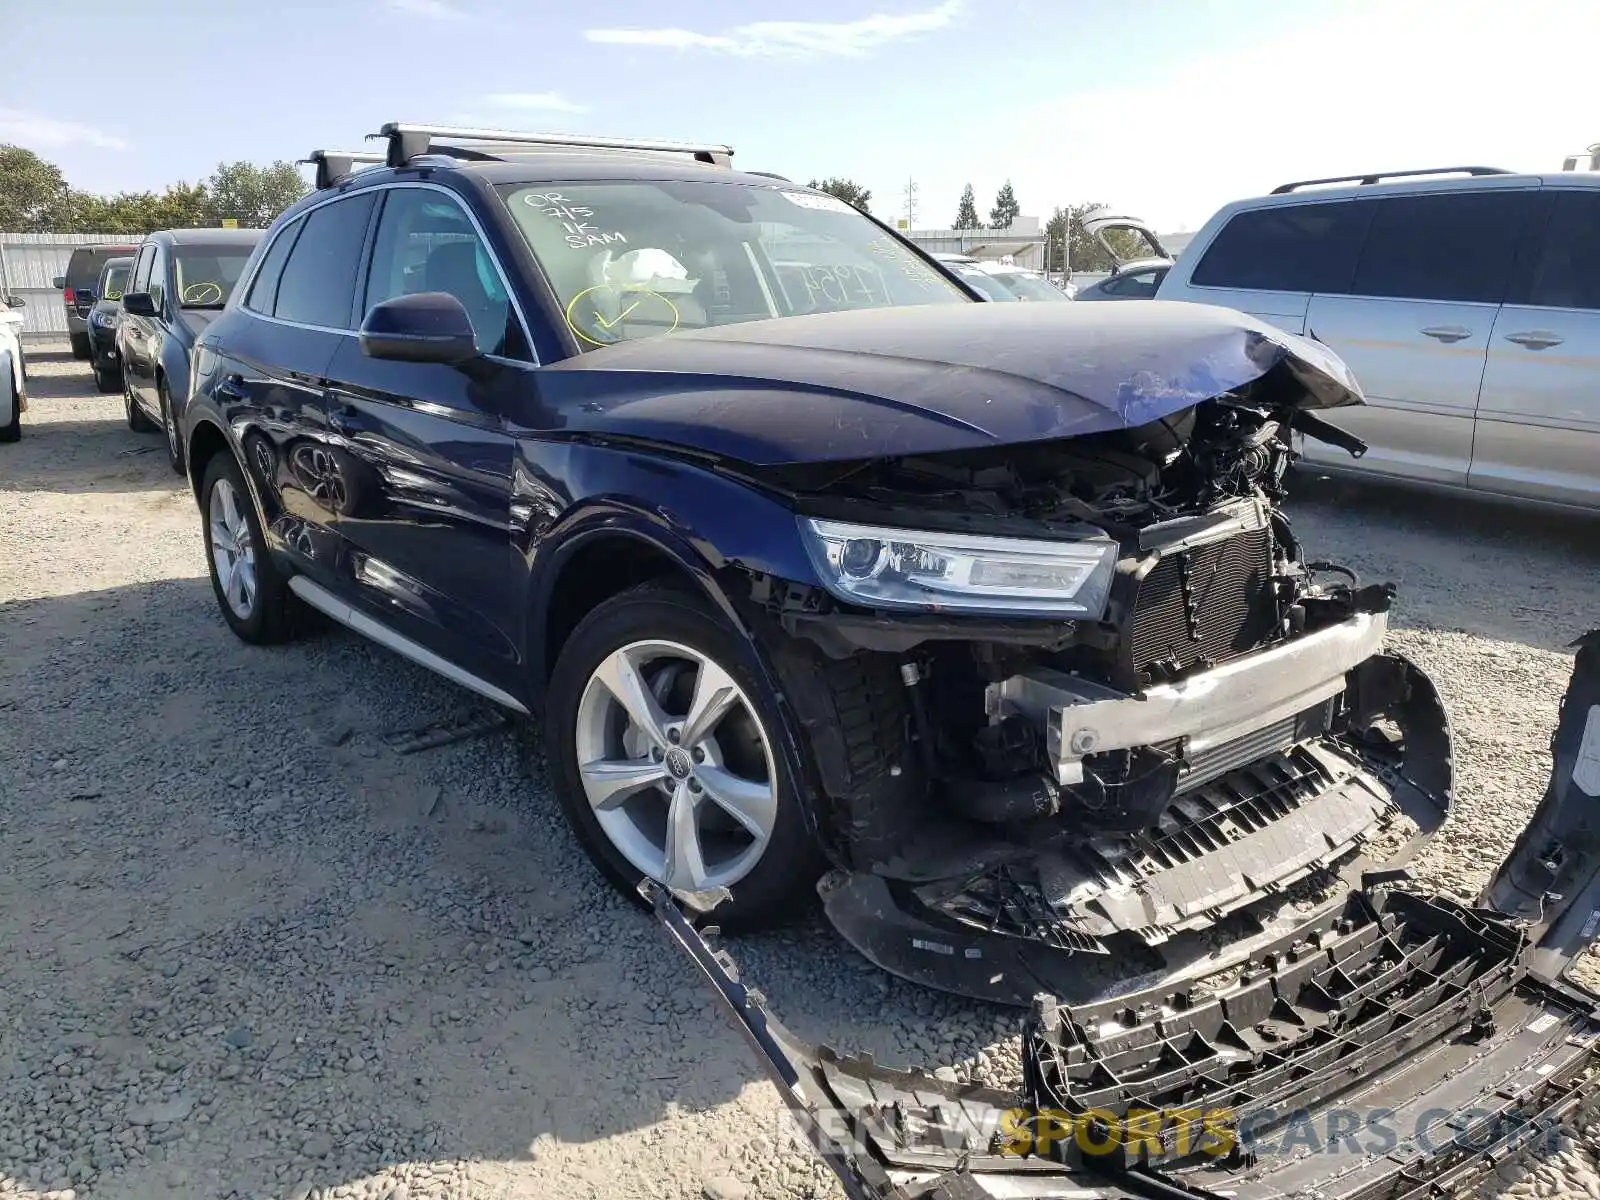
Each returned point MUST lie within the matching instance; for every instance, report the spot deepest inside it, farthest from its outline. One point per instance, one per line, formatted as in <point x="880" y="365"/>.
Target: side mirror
<point x="59" y="283"/>
<point x="16" y="302"/>
<point x="139" y="304"/>
<point x="425" y="327"/>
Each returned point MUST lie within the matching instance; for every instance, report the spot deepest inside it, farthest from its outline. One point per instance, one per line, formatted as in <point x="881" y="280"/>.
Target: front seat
<point x="453" y="268"/>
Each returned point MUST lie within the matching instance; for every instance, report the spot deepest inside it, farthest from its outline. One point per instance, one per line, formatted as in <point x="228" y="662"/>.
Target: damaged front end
<point x="1082" y="707"/>
<point x="1391" y="1045"/>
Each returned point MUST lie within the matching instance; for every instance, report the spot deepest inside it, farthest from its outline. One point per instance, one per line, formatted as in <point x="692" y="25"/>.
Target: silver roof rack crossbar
<point x="408" y="141"/>
<point x="1379" y="176"/>
<point x="335" y="165"/>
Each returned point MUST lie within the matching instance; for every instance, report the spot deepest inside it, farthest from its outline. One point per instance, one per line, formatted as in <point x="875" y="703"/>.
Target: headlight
<point x="911" y="569"/>
<point x="106" y="320"/>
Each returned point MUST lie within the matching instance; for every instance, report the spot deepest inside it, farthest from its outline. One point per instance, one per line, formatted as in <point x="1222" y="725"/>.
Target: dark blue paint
<point x="447" y="501"/>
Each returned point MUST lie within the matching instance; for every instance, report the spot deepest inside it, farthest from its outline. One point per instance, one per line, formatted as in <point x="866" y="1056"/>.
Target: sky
<point x="1166" y="109"/>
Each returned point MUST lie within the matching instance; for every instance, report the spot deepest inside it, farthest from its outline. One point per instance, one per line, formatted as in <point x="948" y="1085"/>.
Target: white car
<point x="1465" y="299"/>
<point x="13" y="385"/>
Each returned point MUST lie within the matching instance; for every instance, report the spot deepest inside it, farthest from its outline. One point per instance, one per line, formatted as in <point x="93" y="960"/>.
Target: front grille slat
<point x="1197" y="608"/>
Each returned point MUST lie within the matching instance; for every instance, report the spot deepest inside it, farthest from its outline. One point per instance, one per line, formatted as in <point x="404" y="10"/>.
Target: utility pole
<point x="911" y="203"/>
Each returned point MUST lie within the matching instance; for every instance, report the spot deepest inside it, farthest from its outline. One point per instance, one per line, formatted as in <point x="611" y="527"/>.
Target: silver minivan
<point x="1466" y="301"/>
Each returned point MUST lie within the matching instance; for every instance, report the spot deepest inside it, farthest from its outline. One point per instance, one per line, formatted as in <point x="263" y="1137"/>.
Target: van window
<point x="1566" y="273"/>
<point x="1288" y="248"/>
<point x="1447" y="246"/>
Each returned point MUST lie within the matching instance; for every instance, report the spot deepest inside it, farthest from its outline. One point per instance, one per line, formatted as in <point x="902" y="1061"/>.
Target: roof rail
<point x="1379" y="176"/>
<point x="771" y="175"/>
<point x="409" y="141"/>
<point x="334" y="166"/>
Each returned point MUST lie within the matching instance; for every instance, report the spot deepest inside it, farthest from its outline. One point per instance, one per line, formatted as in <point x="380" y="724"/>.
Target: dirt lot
<point x="250" y="950"/>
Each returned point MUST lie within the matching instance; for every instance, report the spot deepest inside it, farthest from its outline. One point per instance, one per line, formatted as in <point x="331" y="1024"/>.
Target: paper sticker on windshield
<point x="823" y="202"/>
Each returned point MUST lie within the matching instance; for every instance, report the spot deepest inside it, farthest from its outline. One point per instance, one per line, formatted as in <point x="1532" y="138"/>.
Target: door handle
<point x="1536" y="339"/>
<point x="1447" y="333"/>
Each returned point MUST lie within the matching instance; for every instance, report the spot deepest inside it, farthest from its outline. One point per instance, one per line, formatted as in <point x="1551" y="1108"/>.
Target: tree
<point x="1055" y="230"/>
<point x="967" y="210"/>
<point x="253" y="195"/>
<point x="847" y="190"/>
<point x="1005" y="208"/>
<point x="34" y="197"/>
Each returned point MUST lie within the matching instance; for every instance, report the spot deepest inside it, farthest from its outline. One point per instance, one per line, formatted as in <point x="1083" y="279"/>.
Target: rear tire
<point x="137" y="421"/>
<point x="251" y="592"/>
<point x="80" y="345"/>
<point x="169" y="427"/>
<point x="744" y="822"/>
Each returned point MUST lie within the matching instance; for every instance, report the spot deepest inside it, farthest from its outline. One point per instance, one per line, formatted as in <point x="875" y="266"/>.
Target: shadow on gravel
<point x="248" y="944"/>
<point x="1478" y="565"/>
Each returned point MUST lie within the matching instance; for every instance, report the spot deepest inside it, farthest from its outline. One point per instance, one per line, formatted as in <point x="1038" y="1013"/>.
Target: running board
<point x="325" y="602"/>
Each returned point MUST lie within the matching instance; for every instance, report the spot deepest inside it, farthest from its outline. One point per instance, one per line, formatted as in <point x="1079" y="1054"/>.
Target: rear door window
<point x="1447" y="246"/>
<point x="1566" y="269"/>
<point x="318" y="283"/>
<point x="1289" y="248"/>
<point x="264" y="290"/>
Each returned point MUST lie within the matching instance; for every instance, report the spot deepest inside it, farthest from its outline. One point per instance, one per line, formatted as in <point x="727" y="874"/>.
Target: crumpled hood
<point x="920" y="380"/>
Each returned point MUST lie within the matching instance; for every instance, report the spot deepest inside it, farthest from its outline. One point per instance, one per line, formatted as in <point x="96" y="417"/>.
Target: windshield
<point x="204" y="275"/>
<point x="982" y="282"/>
<point x="114" y="283"/>
<point x="1030" y="287"/>
<point x="633" y="260"/>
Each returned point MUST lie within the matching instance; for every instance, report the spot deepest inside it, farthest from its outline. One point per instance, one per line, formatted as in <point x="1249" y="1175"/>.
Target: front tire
<point x="169" y="426"/>
<point x="107" y="381"/>
<point x="253" y="595"/>
<point x="661" y="738"/>
<point x="11" y="431"/>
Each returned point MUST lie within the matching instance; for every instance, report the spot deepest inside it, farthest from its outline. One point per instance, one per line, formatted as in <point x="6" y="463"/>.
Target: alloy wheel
<point x="676" y="765"/>
<point x="233" y="551"/>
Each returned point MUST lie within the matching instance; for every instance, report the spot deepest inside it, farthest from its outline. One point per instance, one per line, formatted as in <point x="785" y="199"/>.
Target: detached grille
<point x="1197" y="608"/>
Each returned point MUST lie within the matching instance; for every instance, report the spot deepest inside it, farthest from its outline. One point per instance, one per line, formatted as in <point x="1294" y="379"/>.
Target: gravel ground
<point x="251" y="951"/>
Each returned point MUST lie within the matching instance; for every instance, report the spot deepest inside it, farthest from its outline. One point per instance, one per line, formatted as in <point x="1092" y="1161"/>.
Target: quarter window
<point x="1447" y="246"/>
<point x="1567" y="272"/>
<point x="427" y="243"/>
<point x="141" y="269"/>
<point x="1287" y="248"/>
<point x="317" y="283"/>
<point x="158" y="277"/>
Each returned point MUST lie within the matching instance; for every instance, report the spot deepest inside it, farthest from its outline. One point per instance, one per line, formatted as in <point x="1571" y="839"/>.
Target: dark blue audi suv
<point x="982" y="620"/>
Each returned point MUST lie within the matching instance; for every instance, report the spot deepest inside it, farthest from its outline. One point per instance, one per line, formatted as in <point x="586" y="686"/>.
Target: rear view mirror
<point x="139" y="304"/>
<point x="425" y="327"/>
<point x="59" y="282"/>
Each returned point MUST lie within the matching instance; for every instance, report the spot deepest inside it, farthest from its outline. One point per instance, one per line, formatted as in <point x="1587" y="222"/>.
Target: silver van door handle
<point x="1536" y="339"/>
<point x="1448" y="333"/>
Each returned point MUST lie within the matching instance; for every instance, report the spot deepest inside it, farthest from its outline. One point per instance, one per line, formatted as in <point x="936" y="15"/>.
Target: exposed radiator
<point x="1200" y="607"/>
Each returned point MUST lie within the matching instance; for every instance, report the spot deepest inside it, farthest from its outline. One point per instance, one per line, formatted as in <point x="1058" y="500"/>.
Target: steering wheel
<point x="202" y="293"/>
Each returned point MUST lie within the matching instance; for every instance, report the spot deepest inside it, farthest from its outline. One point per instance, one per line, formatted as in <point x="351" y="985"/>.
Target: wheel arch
<point x="589" y="566"/>
<point x="205" y="441"/>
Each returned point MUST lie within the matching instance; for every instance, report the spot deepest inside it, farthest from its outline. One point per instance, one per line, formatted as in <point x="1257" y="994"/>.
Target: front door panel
<point x="426" y="508"/>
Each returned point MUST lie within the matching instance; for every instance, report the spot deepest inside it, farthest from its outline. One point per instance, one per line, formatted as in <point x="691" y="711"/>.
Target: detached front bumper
<point x="1398" y="1049"/>
<point x="1390" y="1046"/>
